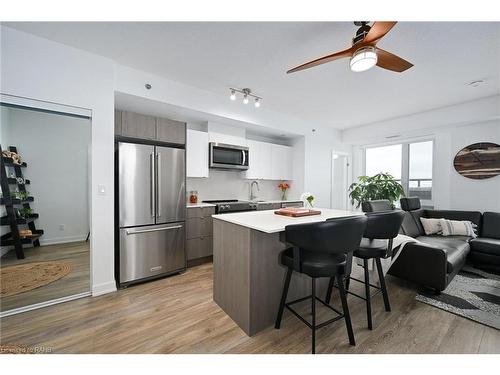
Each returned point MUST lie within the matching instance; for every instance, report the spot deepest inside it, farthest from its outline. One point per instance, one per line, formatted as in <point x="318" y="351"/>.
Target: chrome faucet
<point x="252" y="196"/>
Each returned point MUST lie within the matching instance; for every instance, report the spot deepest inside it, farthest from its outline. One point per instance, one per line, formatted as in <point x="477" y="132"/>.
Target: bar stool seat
<point x="369" y="249"/>
<point x="318" y="250"/>
<point x="381" y="229"/>
<point x="315" y="264"/>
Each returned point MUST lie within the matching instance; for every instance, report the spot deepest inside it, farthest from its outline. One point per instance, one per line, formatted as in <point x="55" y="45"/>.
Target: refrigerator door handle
<point x="158" y="179"/>
<point x="152" y="183"/>
<point x="152" y="230"/>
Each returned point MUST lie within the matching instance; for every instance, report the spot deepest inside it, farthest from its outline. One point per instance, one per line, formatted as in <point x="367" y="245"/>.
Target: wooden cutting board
<point x="302" y="213"/>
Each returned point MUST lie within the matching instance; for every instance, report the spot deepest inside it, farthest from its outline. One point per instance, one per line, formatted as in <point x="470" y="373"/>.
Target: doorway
<point x="44" y="204"/>
<point x="341" y="175"/>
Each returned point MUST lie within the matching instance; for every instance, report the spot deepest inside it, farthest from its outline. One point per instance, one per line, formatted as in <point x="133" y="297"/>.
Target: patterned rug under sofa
<point x="473" y="294"/>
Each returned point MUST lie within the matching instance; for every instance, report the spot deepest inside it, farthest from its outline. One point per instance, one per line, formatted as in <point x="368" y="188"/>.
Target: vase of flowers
<point x="284" y="187"/>
<point x="307" y="197"/>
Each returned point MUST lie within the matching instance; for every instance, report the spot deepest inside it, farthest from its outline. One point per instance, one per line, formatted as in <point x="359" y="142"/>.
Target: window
<point x="409" y="163"/>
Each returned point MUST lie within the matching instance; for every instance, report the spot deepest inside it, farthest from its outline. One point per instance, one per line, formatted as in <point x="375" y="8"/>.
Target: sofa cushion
<point x="486" y="245"/>
<point x="457" y="228"/>
<point x="491" y="225"/>
<point x="472" y="216"/>
<point x="431" y="226"/>
<point x="457" y="248"/>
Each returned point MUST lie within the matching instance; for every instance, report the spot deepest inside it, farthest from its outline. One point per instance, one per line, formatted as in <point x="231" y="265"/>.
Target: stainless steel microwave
<point x="223" y="156"/>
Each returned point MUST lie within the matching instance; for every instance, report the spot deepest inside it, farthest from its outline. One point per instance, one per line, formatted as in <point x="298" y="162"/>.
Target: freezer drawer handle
<point x="152" y="230"/>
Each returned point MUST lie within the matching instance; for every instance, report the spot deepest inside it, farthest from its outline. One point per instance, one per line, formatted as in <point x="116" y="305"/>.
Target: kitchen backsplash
<point x="232" y="185"/>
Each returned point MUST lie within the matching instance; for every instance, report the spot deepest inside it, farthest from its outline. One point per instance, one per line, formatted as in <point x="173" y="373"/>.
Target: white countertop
<point x="199" y="205"/>
<point x="268" y="222"/>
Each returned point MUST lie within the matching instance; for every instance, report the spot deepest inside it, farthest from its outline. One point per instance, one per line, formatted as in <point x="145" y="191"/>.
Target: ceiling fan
<point x="364" y="53"/>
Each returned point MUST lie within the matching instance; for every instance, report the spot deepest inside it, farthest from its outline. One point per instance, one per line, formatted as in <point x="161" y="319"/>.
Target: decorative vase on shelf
<point x="283" y="195"/>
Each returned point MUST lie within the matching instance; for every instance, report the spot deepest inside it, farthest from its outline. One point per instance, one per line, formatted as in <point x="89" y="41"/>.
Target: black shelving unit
<point x="13" y="238"/>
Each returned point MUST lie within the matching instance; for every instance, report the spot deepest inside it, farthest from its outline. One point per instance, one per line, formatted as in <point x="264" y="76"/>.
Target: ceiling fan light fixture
<point x="363" y="59"/>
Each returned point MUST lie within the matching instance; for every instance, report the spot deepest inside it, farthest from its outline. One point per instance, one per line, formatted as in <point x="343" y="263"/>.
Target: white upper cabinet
<point x="281" y="162"/>
<point x="196" y="154"/>
<point x="268" y="161"/>
<point x="227" y="139"/>
<point x="259" y="163"/>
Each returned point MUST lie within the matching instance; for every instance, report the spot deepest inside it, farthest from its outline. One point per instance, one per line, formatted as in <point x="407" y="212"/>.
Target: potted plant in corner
<point x="380" y="186"/>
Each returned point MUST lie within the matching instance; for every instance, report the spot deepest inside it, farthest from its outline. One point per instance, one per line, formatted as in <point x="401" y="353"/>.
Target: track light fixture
<point x="247" y="94"/>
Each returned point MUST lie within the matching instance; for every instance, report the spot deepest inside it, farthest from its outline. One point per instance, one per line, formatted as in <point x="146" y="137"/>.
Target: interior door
<point x="136" y="184"/>
<point x="171" y="184"/>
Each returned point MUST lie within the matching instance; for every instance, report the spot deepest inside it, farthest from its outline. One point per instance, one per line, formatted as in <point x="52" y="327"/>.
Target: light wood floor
<point x="77" y="281"/>
<point x="177" y="315"/>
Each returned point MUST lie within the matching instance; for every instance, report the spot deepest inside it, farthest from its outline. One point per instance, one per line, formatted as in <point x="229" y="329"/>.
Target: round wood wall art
<point x="478" y="161"/>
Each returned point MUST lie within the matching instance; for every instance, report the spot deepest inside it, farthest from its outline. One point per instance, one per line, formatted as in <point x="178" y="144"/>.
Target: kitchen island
<point x="248" y="277"/>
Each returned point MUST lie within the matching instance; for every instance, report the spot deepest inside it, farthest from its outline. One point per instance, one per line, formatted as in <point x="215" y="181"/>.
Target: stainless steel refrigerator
<point x="151" y="211"/>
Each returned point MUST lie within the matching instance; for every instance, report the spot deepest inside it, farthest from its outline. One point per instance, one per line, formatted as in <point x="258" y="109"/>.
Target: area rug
<point x="473" y="294"/>
<point x="29" y="276"/>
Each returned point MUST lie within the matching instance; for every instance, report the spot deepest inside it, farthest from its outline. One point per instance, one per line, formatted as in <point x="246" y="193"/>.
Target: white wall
<point x="318" y="147"/>
<point x="56" y="149"/>
<point x="465" y="193"/>
<point x="37" y="68"/>
<point x="452" y="128"/>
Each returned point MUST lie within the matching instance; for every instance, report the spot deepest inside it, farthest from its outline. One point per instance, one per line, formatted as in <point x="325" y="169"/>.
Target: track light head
<point x="233" y="95"/>
<point x="257" y="103"/>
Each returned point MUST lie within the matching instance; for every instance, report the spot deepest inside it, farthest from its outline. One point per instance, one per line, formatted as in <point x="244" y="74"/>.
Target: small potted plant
<point x="284" y="187"/>
<point x="307" y="197"/>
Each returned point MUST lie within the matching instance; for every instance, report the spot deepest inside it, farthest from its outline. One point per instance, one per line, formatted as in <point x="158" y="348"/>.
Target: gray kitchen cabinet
<point x="170" y="131"/>
<point x="198" y="248"/>
<point x="199" y="234"/>
<point x="135" y="125"/>
<point x="118" y="122"/>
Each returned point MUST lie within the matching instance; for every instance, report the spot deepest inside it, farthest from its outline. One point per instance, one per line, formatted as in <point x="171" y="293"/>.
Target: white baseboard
<point x="60" y="240"/>
<point x="103" y="288"/>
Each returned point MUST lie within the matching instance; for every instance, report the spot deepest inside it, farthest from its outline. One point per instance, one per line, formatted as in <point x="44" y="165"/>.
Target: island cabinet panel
<point x="248" y="277"/>
<point x="199" y="234"/>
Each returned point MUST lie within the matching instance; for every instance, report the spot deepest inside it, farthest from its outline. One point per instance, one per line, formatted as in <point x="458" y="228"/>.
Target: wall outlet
<point x="62" y="227"/>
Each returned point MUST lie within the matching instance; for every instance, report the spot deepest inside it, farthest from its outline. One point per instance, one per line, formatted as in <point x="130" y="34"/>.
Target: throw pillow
<point x="458" y="228"/>
<point x="431" y="226"/>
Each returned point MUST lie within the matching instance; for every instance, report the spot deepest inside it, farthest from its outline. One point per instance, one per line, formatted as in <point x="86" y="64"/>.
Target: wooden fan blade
<point x="377" y="32"/>
<point x="323" y="60"/>
<point x="392" y="62"/>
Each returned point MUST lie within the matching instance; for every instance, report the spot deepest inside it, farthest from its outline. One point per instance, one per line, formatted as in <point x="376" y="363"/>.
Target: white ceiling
<point x="215" y="56"/>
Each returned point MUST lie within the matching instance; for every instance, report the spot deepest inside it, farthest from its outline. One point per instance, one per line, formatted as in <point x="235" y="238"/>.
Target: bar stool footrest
<point x="339" y="316"/>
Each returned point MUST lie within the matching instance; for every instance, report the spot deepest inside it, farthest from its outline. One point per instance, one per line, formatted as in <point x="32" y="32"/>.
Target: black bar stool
<point x="381" y="229"/>
<point x="319" y="250"/>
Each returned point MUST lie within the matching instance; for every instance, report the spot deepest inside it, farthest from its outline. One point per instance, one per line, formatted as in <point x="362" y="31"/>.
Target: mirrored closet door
<point x="44" y="206"/>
